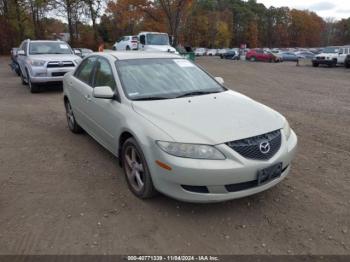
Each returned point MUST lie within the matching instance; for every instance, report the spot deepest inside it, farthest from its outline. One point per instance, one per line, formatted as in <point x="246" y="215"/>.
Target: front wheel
<point x="136" y="170"/>
<point x="34" y="88"/>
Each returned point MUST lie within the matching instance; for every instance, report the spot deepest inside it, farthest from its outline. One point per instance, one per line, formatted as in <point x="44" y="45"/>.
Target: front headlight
<point x="286" y="129"/>
<point x="35" y="62"/>
<point x="195" y="151"/>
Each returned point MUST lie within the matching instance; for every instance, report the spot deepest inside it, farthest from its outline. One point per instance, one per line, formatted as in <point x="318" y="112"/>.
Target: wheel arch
<point x="125" y="135"/>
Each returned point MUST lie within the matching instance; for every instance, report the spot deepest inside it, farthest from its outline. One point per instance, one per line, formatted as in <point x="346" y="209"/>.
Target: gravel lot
<point x="62" y="193"/>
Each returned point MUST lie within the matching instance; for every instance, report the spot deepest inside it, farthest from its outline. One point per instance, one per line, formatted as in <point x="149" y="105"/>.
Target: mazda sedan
<point x="176" y="129"/>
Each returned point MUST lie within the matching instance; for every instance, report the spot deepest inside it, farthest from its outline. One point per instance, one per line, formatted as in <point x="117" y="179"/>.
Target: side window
<point x="84" y="71"/>
<point x="104" y="74"/>
<point x="24" y="47"/>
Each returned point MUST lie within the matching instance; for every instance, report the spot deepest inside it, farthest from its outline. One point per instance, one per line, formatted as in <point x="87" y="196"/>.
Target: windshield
<point x="163" y="78"/>
<point x="331" y="50"/>
<point x="157" y="39"/>
<point x="36" y="48"/>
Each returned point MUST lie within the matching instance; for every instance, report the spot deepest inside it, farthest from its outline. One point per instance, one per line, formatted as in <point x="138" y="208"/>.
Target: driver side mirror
<point x="104" y="92"/>
<point x="21" y="52"/>
<point x="220" y="80"/>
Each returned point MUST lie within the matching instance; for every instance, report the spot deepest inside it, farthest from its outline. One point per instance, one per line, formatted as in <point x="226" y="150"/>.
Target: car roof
<point x="123" y="55"/>
<point x="56" y="41"/>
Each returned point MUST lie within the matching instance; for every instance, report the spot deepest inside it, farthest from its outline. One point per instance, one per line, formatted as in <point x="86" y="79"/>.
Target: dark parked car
<point x="230" y="54"/>
<point x="261" y="55"/>
<point x="347" y="61"/>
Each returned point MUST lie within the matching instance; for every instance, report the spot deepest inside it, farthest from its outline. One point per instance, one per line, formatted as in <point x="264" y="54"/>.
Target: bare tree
<point x="93" y="9"/>
<point x="70" y="10"/>
<point x="173" y="10"/>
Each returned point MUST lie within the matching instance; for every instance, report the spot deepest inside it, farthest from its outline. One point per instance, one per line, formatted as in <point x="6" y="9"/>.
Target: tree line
<point x="207" y="23"/>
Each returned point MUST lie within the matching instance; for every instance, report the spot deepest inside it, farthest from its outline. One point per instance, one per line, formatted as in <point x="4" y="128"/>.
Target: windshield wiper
<point x="197" y="93"/>
<point x="151" y="98"/>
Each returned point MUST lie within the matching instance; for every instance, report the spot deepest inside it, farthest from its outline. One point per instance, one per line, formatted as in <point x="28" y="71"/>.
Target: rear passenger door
<point x="80" y="92"/>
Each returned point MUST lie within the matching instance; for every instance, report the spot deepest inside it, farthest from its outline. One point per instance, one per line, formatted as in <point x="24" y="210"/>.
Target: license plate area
<point x="268" y="174"/>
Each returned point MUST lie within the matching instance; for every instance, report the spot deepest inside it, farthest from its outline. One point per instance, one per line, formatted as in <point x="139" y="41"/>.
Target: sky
<point x="337" y="9"/>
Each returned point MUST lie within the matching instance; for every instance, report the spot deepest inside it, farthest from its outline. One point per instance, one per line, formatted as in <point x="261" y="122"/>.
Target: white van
<point x="155" y="41"/>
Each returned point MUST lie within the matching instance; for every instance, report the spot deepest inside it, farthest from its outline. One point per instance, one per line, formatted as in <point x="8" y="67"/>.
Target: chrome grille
<point x="53" y="64"/>
<point x="250" y="147"/>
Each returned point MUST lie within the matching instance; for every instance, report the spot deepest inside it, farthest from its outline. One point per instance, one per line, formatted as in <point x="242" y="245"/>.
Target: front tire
<point x="24" y="81"/>
<point x="136" y="170"/>
<point x="34" y="88"/>
<point x="72" y="123"/>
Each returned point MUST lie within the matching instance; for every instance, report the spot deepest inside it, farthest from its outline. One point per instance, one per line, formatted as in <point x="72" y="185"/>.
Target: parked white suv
<point x="331" y="56"/>
<point x="128" y="42"/>
<point x="43" y="61"/>
<point x="155" y="42"/>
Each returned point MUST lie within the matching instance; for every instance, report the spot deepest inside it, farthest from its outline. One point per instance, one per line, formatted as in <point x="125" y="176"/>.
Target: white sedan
<point x="176" y="129"/>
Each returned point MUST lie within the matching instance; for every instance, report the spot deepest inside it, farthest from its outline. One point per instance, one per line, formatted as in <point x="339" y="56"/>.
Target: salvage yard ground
<point x="62" y="193"/>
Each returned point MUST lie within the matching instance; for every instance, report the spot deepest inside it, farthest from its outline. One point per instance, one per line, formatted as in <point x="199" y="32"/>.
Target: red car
<point x="260" y="55"/>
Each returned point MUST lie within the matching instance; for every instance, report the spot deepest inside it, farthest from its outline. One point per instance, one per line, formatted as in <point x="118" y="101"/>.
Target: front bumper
<point x="323" y="61"/>
<point x="216" y="175"/>
<point x="46" y="75"/>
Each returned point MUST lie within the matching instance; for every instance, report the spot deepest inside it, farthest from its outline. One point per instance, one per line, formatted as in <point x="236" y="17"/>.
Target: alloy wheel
<point x="70" y="116"/>
<point x="134" y="168"/>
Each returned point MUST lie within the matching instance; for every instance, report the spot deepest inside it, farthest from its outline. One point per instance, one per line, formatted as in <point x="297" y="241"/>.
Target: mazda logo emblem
<point x="264" y="147"/>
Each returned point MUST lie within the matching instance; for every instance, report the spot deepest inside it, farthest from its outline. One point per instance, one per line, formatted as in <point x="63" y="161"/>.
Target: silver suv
<point x="43" y="61"/>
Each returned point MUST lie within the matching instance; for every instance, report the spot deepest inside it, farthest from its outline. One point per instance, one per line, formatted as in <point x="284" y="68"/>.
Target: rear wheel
<point x="347" y="64"/>
<point x="72" y="123"/>
<point x="128" y="48"/>
<point x="136" y="170"/>
<point x="314" y="64"/>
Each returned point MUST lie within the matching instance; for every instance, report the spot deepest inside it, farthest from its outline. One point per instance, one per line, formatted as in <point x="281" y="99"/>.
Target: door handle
<point x="87" y="98"/>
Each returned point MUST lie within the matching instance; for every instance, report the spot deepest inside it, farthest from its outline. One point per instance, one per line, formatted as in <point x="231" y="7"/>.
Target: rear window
<point x="134" y="38"/>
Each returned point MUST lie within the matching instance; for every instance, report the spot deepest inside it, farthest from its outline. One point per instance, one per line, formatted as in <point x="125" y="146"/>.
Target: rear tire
<point x="128" y="48"/>
<point x="347" y="64"/>
<point x="315" y="64"/>
<point x="136" y="170"/>
<point x="72" y="123"/>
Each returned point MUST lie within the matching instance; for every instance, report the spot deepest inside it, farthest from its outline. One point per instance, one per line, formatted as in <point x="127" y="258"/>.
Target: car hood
<point x="55" y="57"/>
<point x="161" y="48"/>
<point x="327" y="54"/>
<point x="210" y="119"/>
